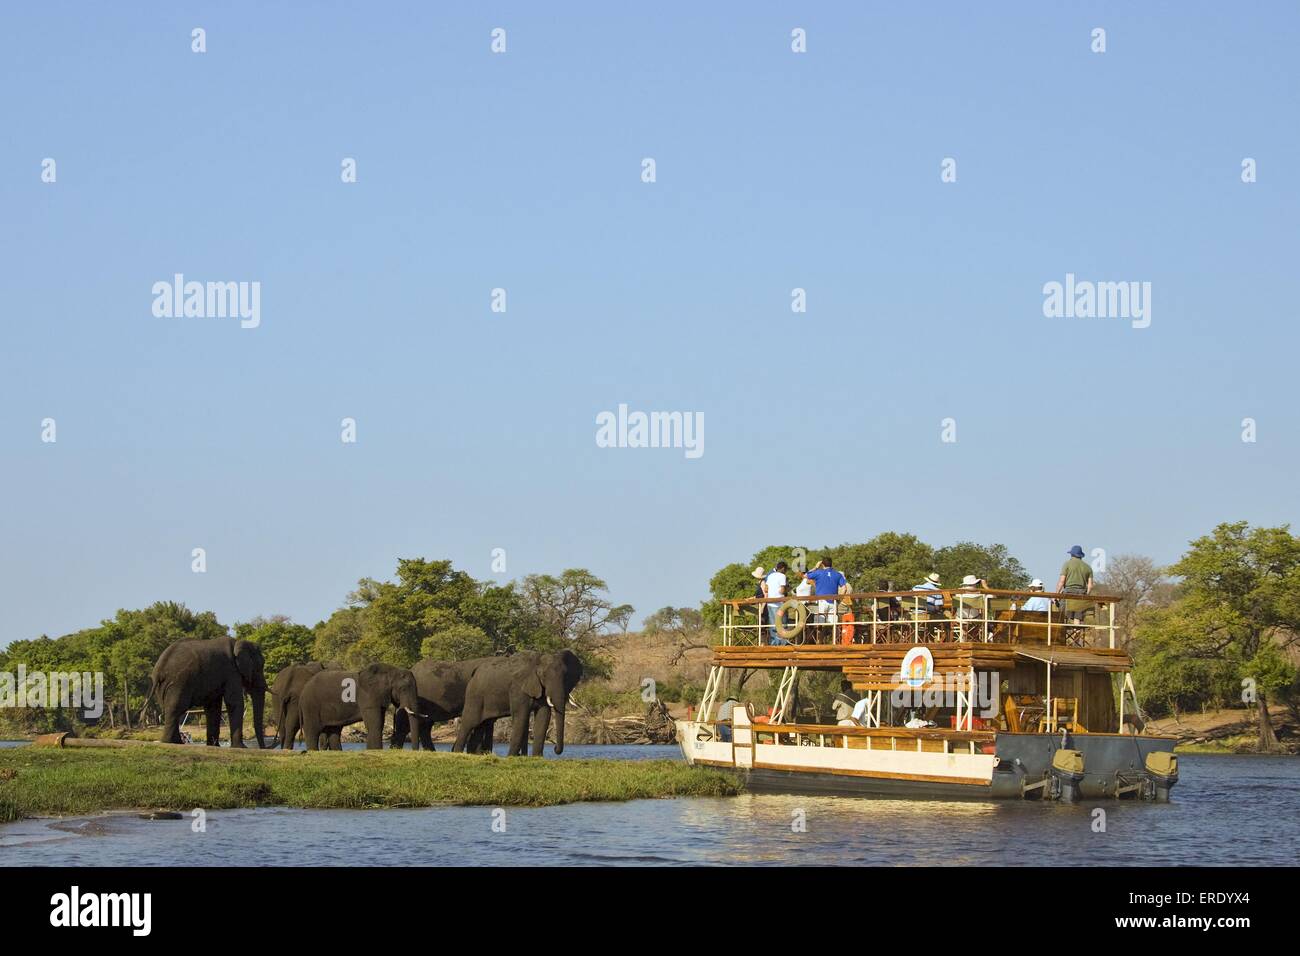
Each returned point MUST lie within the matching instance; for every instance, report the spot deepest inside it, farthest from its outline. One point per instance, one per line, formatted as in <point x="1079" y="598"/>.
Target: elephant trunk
<point x="558" y="699"/>
<point x="259" y="711"/>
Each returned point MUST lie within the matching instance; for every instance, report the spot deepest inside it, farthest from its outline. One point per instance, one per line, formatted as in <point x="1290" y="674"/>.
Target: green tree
<point x="283" y="642"/>
<point x="993" y="563"/>
<point x="1239" y="607"/>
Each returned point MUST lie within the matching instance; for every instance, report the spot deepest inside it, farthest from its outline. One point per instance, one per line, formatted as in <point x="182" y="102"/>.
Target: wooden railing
<point x="943" y="615"/>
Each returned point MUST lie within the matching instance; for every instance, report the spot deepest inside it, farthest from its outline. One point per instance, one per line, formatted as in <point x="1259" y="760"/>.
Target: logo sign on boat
<point x="918" y="667"/>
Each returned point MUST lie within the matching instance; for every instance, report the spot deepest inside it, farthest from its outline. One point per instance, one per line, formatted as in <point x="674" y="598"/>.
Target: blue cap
<point x="1077" y="551"/>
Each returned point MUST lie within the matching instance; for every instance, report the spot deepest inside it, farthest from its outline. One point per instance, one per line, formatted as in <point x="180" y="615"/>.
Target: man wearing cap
<point x="1076" y="578"/>
<point x="1038" y="602"/>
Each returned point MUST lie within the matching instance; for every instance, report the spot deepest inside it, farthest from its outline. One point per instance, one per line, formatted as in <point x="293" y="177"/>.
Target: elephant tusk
<point x="548" y="701"/>
<point x="573" y="703"/>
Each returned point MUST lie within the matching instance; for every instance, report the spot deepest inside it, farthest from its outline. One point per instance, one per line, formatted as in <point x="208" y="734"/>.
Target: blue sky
<point x="775" y="170"/>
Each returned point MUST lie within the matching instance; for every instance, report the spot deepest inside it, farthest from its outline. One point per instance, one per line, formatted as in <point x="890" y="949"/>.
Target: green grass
<point x="47" y="781"/>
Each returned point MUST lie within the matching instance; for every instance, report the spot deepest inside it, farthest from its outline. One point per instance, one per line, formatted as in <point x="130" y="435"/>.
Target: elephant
<point x="441" y="687"/>
<point x="207" y="672"/>
<point x="328" y="703"/>
<point x="517" y="686"/>
<point x="284" y="697"/>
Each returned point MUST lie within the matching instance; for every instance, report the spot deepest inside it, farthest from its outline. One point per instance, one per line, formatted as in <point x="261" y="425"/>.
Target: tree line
<point x="431" y="609"/>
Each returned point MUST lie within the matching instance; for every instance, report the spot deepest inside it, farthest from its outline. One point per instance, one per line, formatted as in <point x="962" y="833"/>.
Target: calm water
<point x="1228" y="810"/>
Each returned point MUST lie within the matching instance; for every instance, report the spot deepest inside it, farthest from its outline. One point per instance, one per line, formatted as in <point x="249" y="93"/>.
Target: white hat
<point x="1035" y="583"/>
<point x="969" y="581"/>
<point x="933" y="577"/>
<point x="757" y="572"/>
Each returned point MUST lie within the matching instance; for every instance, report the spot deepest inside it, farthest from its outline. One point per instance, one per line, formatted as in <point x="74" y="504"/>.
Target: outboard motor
<point x="1067" y="774"/>
<point x="1163" y="770"/>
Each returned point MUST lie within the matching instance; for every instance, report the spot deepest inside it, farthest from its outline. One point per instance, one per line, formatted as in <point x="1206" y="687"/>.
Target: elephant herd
<point x="321" y="699"/>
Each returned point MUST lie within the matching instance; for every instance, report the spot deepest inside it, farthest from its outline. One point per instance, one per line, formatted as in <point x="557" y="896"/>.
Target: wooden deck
<point x="876" y="666"/>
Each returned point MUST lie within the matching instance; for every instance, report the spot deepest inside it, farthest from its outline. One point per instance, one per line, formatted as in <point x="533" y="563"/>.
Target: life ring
<point x="800" y="619"/>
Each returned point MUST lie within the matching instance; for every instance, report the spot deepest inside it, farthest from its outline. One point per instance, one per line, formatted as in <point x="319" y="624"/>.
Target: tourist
<point x="829" y="583"/>
<point x="968" y="609"/>
<point x="1038" y="602"/>
<point x="774" y="587"/>
<point x="1076" y="578"/>
<point x="934" y="603"/>
<point x="843" y="704"/>
<point x="724" y="719"/>
<point x="758" y="574"/>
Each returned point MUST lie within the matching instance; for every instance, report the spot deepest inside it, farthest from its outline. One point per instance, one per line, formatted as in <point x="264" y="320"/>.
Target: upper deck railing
<point x="943" y="615"/>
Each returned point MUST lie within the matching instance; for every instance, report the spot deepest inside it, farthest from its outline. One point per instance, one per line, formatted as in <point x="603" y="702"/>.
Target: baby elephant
<point x="333" y="699"/>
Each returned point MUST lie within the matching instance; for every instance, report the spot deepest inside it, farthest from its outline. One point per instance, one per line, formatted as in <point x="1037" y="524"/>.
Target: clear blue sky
<point x="775" y="170"/>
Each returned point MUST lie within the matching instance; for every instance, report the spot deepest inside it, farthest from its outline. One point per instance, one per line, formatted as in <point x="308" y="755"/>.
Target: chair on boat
<point x="1064" y="712"/>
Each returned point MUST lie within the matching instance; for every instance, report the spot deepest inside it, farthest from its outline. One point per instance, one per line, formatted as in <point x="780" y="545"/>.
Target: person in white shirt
<point x="1037" y="603"/>
<point x="774" y="587"/>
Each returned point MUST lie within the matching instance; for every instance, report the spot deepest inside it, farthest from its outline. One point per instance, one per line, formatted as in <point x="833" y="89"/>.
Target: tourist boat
<point x="976" y="698"/>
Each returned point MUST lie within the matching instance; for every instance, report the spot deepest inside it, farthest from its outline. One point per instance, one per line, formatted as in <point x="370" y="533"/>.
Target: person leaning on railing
<point x="828" y="584"/>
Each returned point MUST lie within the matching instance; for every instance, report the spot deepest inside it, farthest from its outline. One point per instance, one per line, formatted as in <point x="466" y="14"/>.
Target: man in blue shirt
<point x="828" y="584"/>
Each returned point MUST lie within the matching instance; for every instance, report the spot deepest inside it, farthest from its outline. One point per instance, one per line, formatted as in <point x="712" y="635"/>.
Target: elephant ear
<point x="244" y="654"/>
<point x="532" y="683"/>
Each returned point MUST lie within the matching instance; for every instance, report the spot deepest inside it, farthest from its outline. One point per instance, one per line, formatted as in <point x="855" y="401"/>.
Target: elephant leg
<point x="480" y="740"/>
<point x="335" y="740"/>
<point x="469" y="719"/>
<point x="401" y="724"/>
<point x="416" y="726"/>
<point x="426" y="734"/>
<point x="541" y="723"/>
<point x="312" y="735"/>
<point x="212" y="713"/>
<point x="289" y="730"/>
<point x="235" y="709"/>
<point x="519" y="729"/>
<point x="374" y="719"/>
<point x="171" y="731"/>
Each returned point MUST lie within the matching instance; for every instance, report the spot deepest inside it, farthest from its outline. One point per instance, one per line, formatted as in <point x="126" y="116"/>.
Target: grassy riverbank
<point x="38" y="781"/>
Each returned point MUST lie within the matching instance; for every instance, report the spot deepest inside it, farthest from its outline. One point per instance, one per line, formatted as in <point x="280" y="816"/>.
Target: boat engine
<point x="1163" y="769"/>
<point x="1067" y="774"/>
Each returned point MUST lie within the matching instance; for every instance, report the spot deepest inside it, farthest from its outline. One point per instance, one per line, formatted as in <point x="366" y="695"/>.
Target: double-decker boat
<point x="958" y="693"/>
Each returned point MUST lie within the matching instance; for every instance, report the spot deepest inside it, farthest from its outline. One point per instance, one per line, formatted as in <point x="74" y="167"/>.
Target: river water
<point x="1227" y="810"/>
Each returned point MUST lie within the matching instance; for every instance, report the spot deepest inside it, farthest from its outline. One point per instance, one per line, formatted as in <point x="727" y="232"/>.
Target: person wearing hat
<point x="1076" y="578"/>
<point x="933" y="604"/>
<point x="969" y="610"/>
<point x="1038" y="602"/>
